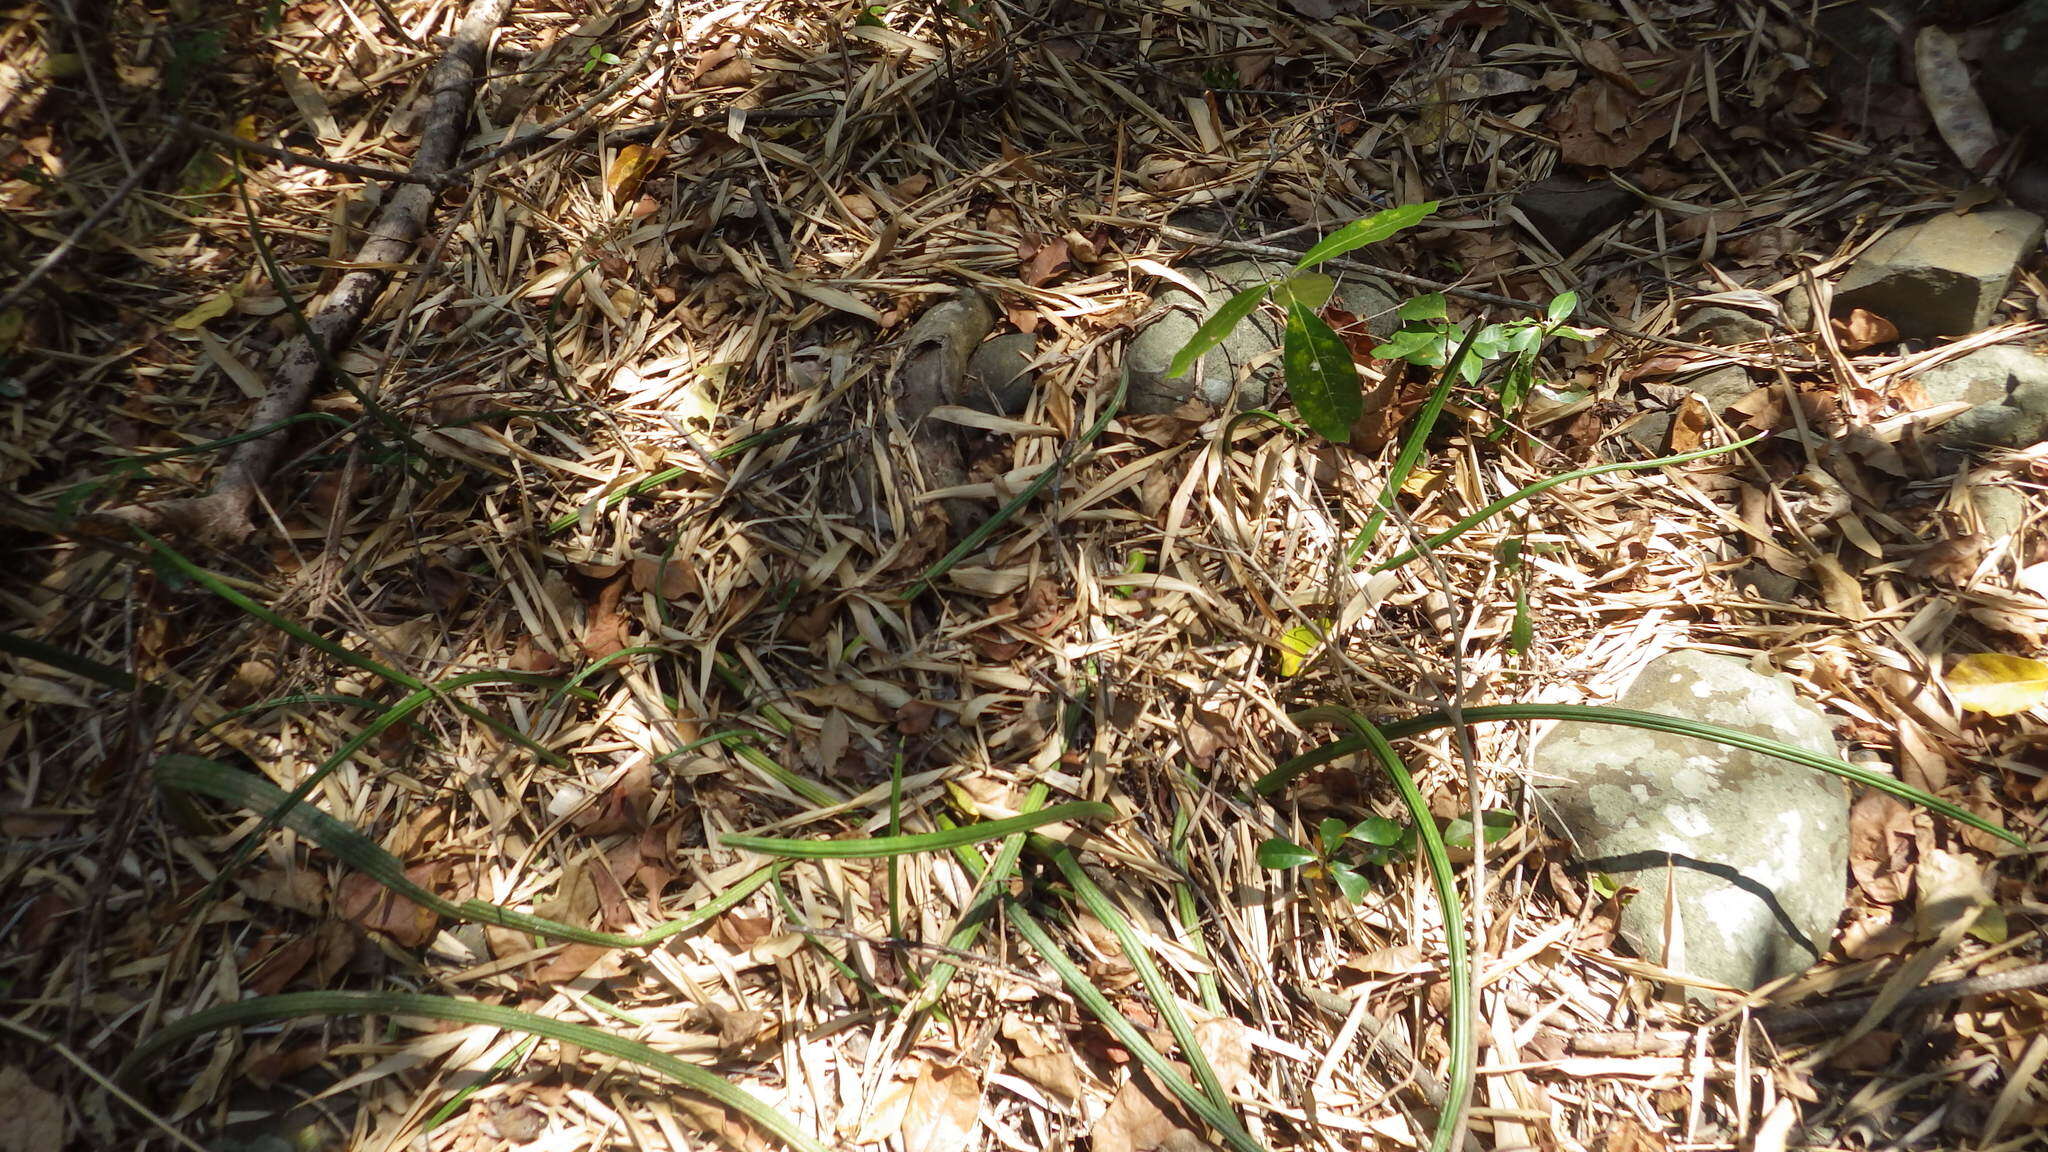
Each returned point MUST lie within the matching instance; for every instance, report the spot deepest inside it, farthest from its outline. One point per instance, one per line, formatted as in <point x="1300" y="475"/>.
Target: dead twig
<point x="222" y="514"/>
<point x="302" y="159"/>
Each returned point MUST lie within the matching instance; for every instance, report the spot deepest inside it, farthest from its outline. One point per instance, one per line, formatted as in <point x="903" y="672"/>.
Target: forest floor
<point x="612" y="547"/>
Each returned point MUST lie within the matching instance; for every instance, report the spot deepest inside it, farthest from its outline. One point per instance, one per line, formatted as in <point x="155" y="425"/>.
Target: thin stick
<point x="100" y="1078"/>
<point x="302" y="159"/>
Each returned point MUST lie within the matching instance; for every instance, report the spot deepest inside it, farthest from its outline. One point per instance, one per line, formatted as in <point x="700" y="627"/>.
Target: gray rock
<point x="1723" y="326"/>
<point x="1755" y="848"/>
<point x="2001" y="511"/>
<point x="1766" y="583"/>
<point x="2011" y="78"/>
<point x="1797" y="311"/>
<point x="1256" y="339"/>
<point x="1651" y="431"/>
<point x="2009" y="386"/>
<point x="1943" y="276"/>
<point x="1720" y="387"/>
<point x="999" y="374"/>
<point x="1567" y="212"/>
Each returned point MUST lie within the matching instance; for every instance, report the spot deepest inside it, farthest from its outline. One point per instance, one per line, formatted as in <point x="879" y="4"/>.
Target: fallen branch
<point x="222" y="515"/>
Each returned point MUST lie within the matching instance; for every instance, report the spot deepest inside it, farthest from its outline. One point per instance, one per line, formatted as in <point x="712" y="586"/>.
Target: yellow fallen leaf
<point x="212" y="308"/>
<point x="1297" y="644"/>
<point x="1998" y="685"/>
<point x="629" y="167"/>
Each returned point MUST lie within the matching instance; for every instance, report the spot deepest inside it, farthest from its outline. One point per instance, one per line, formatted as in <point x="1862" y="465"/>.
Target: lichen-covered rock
<point x="1943" y="276"/>
<point x="1255" y="340"/>
<point x="2007" y="383"/>
<point x="1755" y="848"/>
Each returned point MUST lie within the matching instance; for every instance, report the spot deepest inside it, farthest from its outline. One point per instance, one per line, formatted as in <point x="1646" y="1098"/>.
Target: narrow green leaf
<point x="1370" y="230"/>
<point x="1213" y="330"/>
<point x="1457" y="965"/>
<point x="1139" y="956"/>
<point x="1429" y="307"/>
<point x="298" y="1005"/>
<point x="203" y="777"/>
<point x="1320" y="375"/>
<point x="945" y="838"/>
<point x="1631" y="718"/>
<point x="15" y="644"/>
<point x="1280" y="854"/>
<point x="1127" y="1034"/>
<point x="1545" y="485"/>
<point x="1308" y="289"/>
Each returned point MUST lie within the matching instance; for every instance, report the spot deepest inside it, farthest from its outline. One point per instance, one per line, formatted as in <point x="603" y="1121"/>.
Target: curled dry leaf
<point x="1996" y="684"/>
<point x="1959" y="113"/>
<point x="1863" y="328"/>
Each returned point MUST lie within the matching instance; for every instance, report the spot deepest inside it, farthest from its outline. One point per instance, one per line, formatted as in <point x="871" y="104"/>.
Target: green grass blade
<point x="1655" y="722"/>
<point x="945" y="838"/>
<point x="383" y="722"/>
<point x="300" y="1005"/>
<point x="975" y="539"/>
<point x="1542" y="486"/>
<point x="1215" y="328"/>
<point x="1140" y="958"/>
<point x="988" y="880"/>
<point x="1458" y="1091"/>
<point x="213" y="583"/>
<point x="203" y="777"/>
<point x="1359" y="233"/>
<point x="1320" y="375"/>
<point x="1127" y="1034"/>
<point x="1411" y="450"/>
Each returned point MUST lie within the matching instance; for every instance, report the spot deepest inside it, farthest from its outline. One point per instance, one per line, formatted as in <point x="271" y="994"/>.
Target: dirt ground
<point x="606" y="537"/>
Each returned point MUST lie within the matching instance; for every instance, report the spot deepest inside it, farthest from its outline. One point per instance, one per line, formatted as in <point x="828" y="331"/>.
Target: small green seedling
<point x="1341" y="851"/>
<point x="1316" y="362"/>
<point x="1427" y="338"/>
<point x="596" y="57"/>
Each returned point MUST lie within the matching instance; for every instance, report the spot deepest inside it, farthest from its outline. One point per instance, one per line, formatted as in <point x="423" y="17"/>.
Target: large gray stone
<point x="1943" y="276"/>
<point x="1255" y="339"/>
<point x="1567" y="212"/>
<point x="1722" y="326"/>
<point x="2013" y="83"/>
<point x="1755" y="848"/>
<point x="2009" y="386"/>
<point x="1000" y="376"/>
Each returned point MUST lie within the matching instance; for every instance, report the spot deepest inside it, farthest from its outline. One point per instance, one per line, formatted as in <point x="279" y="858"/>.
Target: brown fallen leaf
<point x="1863" y="328"/>
<point x="630" y="165"/>
<point x="1881" y="835"/>
<point x="1839" y="590"/>
<point x="36" y="1119"/>
<point x="945" y="1110"/>
<point x="375" y="908"/>
<point x="605" y="628"/>
<point x="1690" y="423"/>
<point x="1045" y="261"/>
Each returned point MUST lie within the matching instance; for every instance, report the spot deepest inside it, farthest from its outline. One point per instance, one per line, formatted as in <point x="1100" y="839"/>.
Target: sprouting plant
<point x="1427" y="338"/>
<point x="595" y="57"/>
<point x="1314" y="359"/>
<point x="1341" y="850"/>
<point x="1316" y="362"/>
